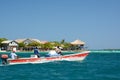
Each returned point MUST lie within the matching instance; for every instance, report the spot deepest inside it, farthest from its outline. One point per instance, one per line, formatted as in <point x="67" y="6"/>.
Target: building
<point x="28" y="41"/>
<point x="78" y="44"/>
<point x="9" y="45"/>
<point x="20" y="40"/>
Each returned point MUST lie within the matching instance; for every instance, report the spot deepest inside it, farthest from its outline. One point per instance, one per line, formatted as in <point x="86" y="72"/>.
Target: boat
<point x="33" y="59"/>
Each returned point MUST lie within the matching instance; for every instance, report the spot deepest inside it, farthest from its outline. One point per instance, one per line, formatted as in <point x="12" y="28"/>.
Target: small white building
<point x="9" y="45"/>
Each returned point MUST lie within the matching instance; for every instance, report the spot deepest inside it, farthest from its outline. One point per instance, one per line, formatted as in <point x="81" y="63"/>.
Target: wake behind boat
<point x="33" y="59"/>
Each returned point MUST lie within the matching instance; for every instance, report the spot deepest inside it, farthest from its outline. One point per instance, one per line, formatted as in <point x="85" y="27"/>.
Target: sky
<point x="96" y="22"/>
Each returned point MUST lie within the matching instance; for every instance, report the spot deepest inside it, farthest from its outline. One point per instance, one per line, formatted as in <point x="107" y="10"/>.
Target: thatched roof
<point x="78" y="42"/>
<point x="30" y="40"/>
<point x="20" y="40"/>
<point x="7" y="41"/>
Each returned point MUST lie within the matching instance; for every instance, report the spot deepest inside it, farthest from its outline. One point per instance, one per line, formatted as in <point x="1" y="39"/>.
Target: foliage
<point x="33" y="44"/>
<point x="63" y="41"/>
<point x="21" y="44"/>
<point x="67" y="46"/>
<point x="1" y="40"/>
<point x="55" y="43"/>
<point x="48" y="46"/>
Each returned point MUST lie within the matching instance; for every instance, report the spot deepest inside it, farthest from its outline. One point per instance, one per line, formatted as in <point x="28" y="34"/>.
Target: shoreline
<point x="33" y="52"/>
<point x="69" y="51"/>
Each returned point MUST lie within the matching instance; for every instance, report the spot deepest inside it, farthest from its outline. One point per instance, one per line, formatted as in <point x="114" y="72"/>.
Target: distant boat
<point x="33" y="59"/>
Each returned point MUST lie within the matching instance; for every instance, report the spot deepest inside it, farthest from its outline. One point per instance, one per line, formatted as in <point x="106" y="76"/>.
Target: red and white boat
<point x="71" y="57"/>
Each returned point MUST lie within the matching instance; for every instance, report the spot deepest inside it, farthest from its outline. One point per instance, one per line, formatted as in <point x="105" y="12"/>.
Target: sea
<point x="96" y="66"/>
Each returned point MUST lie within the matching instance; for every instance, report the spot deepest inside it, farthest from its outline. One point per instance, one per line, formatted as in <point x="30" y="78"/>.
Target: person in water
<point x="13" y="55"/>
<point x="36" y="52"/>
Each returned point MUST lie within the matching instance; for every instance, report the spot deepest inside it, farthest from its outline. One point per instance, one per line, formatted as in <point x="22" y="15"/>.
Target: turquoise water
<point x="97" y="66"/>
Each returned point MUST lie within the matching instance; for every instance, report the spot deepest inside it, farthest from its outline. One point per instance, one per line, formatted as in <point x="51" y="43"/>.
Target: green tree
<point x="48" y="46"/>
<point x="66" y="46"/>
<point x="33" y="44"/>
<point x="21" y="44"/>
<point x="62" y="41"/>
<point x="56" y="43"/>
<point x="1" y="40"/>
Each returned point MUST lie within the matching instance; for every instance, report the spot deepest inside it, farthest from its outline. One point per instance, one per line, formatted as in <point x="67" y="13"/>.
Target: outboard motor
<point x="4" y="58"/>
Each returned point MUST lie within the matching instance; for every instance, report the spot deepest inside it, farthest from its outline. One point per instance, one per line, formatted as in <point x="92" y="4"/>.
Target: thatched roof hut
<point x="78" y="42"/>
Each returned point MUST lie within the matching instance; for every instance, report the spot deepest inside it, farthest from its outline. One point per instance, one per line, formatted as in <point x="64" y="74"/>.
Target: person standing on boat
<point x="58" y="50"/>
<point x="55" y="52"/>
<point x="4" y="58"/>
<point x="52" y="53"/>
<point x="13" y="55"/>
<point x="36" y="52"/>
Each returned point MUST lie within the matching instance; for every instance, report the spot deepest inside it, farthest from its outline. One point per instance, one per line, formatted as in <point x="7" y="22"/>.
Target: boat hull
<point x="72" y="57"/>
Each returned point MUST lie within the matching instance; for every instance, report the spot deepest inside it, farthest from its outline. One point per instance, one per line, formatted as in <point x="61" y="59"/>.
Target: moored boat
<point x="33" y="59"/>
